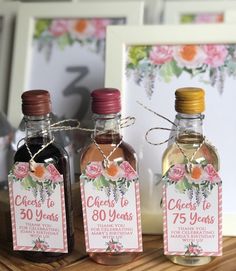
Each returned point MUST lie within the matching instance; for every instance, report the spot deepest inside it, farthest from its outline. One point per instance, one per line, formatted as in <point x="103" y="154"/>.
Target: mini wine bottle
<point x="40" y="188"/>
<point x="192" y="187"/>
<point x="109" y="187"/>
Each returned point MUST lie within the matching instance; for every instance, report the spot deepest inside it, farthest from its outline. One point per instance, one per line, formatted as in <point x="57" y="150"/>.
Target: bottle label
<point x="192" y="204"/>
<point x="111" y="208"/>
<point x="37" y="208"/>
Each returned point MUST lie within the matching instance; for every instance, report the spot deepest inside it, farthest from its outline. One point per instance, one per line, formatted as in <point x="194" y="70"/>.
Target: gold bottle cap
<point x="189" y="100"/>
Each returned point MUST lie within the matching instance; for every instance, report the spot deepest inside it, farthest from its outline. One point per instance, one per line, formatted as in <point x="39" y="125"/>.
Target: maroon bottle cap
<point x="36" y="102"/>
<point x="106" y="101"/>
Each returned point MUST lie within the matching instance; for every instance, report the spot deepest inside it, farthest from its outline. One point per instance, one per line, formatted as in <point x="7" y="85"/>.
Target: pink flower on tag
<point x="176" y="173"/>
<point x="161" y="54"/>
<point x="211" y="174"/>
<point x="55" y="175"/>
<point x="129" y="172"/>
<point x="215" y="55"/>
<point x="94" y="170"/>
<point x="21" y="170"/>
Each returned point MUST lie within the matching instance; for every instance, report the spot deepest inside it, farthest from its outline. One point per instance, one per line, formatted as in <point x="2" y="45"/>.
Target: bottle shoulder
<point x="204" y="153"/>
<point x="124" y="152"/>
<point x="52" y="150"/>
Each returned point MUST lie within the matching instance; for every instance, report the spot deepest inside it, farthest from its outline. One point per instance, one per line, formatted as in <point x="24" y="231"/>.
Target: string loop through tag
<point x="159" y="128"/>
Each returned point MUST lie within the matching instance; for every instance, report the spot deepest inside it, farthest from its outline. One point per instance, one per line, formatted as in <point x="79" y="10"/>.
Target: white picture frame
<point x="230" y="16"/>
<point x="204" y="10"/>
<point x="119" y="38"/>
<point x="152" y="9"/>
<point x="7" y="23"/>
<point x="132" y="13"/>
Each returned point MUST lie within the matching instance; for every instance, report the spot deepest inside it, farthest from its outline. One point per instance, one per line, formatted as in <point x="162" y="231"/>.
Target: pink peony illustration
<point x="55" y="175"/>
<point x="209" y="18"/>
<point x="161" y="54"/>
<point x="176" y="173"/>
<point x="193" y="249"/>
<point x="129" y="172"/>
<point x="211" y="174"/>
<point x="189" y="56"/>
<point x="40" y="245"/>
<point x="58" y="27"/>
<point x="215" y="55"/>
<point x="114" y="246"/>
<point x="100" y="26"/>
<point x="94" y="170"/>
<point x="21" y="170"/>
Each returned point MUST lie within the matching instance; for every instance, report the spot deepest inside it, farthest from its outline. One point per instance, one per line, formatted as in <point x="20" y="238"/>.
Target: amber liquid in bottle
<point x="189" y="143"/>
<point x="56" y="155"/>
<point x="107" y="141"/>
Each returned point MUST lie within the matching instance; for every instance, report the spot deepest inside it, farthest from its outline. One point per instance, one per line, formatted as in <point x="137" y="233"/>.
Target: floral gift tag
<point x="37" y="208"/>
<point x="111" y="208"/>
<point x="192" y="204"/>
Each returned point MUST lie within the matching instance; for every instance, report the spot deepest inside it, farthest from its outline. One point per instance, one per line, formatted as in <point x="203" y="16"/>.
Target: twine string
<point x="158" y="128"/>
<point x="106" y="161"/>
<point x="189" y="160"/>
<point x="66" y="125"/>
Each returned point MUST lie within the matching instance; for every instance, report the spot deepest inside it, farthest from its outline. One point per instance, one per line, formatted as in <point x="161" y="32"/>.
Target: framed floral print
<point x="151" y="63"/>
<point x="61" y="47"/>
<point x="196" y="12"/>
<point x="7" y="24"/>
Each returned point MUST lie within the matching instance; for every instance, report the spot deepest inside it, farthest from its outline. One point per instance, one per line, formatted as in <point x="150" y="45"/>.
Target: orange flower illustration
<point x="80" y="29"/>
<point x="40" y="173"/>
<point x="113" y="172"/>
<point x="196" y="174"/>
<point x="189" y="56"/>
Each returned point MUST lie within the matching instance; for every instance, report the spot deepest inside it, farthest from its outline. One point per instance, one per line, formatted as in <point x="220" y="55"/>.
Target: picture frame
<point x="30" y="70"/>
<point x="230" y="16"/>
<point x="7" y="23"/>
<point x="154" y="87"/>
<point x="152" y="9"/>
<point x="193" y="11"/>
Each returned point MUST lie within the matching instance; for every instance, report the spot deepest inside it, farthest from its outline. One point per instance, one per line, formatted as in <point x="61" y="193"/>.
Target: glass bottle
<point x="106" y="109"/>
<point x="189" y="143"/>
<point x="36" y="107"/>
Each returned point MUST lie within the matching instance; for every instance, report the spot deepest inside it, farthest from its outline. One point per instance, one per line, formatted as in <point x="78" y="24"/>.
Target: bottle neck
<point x="107" y="128"/>
<point x="189" y="128"/>
<point x="38" y="129"/>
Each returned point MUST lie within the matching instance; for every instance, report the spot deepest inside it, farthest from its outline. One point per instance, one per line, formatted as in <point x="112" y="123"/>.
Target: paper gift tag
<point x="192" y="204"/>
<point x="37" y="208"/>
<point x="111" y="208"/>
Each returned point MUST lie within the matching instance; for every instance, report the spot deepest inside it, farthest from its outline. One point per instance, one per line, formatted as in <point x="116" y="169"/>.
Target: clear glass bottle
<point x="107" y="135"/>
<point x="36" y="107"/>
<point x="189" y="105"/>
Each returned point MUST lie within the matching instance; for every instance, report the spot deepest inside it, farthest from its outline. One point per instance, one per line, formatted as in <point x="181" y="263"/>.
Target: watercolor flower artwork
<point x="114" y="246"/>
<point x="66" y="32"/>
<point x="193" y="249"/>
<point x="202" y="18"/>
<point x="197" y="184"/>
<point x="210" y="64"/>
<point x="114" y="179"/>
<point x="40" y="245"/>
<point x="42" y="181"/>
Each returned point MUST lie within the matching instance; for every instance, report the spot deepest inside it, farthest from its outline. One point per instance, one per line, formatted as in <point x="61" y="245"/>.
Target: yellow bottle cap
<point x="189" y="100"/>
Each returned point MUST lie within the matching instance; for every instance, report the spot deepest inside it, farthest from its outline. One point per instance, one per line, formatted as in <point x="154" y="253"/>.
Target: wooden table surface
<point x="151" y="259"/>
